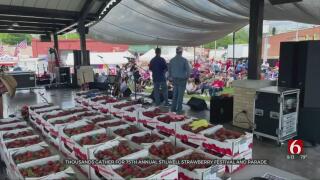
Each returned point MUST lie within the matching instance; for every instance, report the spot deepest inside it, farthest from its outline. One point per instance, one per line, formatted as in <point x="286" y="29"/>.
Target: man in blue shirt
<point x="158" y="67"/>
<point x="179" y="72"/>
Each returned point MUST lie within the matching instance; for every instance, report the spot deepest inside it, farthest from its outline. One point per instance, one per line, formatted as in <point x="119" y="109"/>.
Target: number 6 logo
<point x="295" y="147"/>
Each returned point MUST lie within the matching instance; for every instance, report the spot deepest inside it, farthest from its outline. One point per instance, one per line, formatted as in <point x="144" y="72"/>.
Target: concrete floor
<point x="265" y="149"/>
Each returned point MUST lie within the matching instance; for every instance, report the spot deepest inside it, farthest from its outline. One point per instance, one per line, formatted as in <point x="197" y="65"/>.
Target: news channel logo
<point x="295" y="149"/>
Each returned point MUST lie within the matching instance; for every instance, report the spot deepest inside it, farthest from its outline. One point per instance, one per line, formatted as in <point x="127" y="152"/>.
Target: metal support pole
<point x="215" y="48"/>
<point x="135" y="89"/>
<point x="194" y="54"/>
<point x="83" y="46"/>
<point x="233" y="48"/>
<point x="55" y="41"/>
<point x="255" y="38"/>
<point x="56" y="47"/>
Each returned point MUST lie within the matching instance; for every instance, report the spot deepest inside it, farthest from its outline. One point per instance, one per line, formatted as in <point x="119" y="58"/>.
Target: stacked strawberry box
<point x="112" y="150"/>
<point x="131" y="113"/>
<point x="146" y="138"/>
<point x="47" y="109"/>
<point x="51" y="127"/>
<point x="101" y="118"/>
<point x="9" y="131"/>
<point x="38" y="121"/>
<point x="36" y="112"/>
<point x="47" y="168"/>
<point x="86" y="141"/>
<point x="165" y="149"/>
<point x="23" y="152"/>
<point x="16" y="125"/>
<point x="42" y="121"/>
<point x="30" y="153"/>
<point x="135" y="133"/>
<point x="69" y="130"/>
<point x="16" y="133"/>
<point x="167" y="123"/>
<point x="9" y="121"/>
<point x="124" y="130"/>
<point x="27" y="154"/>
<point x="141" y="171"/>
<point x="228" y="144"/>
<point x="84" y="95"/>
<point x="12" y="126"/>
<point x="111" y="123"/>
<point x="13" y="144"/>
<point x="32" y="109"/>
<point x="117" y="108"/>
<point x="97" y="102"/>
<point x="42" y="108"/>
<point x="147" y="118"/>
<point x="191" y="131"/>
<point x="197" y="171"/>
<point x="108" y="107"/>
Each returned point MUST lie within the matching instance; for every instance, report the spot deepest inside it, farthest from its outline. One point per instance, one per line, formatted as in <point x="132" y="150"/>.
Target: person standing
<point x="158" y="67"/>
<point x="179" y="72"/>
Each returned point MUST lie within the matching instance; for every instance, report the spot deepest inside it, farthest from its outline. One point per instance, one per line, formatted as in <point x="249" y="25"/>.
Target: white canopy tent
<point x="189" y="23"/>
<point x="166" y="52"/>
<point x="104" y="58"/>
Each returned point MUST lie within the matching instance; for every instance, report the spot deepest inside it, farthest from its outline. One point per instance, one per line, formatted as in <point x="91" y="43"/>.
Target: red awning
<point x="7" y="63"/>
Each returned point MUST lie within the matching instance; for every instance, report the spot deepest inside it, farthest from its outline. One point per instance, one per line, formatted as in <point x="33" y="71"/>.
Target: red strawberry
<point x="39" y="171"/>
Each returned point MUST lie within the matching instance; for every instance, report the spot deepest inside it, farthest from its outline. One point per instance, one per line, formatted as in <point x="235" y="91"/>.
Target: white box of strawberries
<point x="226" y="141"/>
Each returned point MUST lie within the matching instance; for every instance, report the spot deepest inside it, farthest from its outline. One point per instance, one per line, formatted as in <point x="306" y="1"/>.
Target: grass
<point x="206" y="98"/>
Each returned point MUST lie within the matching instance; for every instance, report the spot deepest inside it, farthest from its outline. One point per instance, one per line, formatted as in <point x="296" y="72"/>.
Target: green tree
<point x="242" y="37"/>
<point x="70" y="36"/>
<point x="13" y="39"/>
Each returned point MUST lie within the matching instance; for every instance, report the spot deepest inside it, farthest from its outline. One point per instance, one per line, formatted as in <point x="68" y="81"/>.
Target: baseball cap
<point x="179" y="49"/>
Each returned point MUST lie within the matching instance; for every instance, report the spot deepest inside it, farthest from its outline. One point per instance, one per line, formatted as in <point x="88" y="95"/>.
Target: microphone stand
<point x="135" y="89"/>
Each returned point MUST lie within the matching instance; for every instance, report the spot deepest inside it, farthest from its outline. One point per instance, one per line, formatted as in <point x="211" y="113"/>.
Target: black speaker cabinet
<point x="25" y="79"/>
<point x="300" y="68"/>
<point x="63" y="75"/>
<point x="221" y="109"/>
<point x="197" y="104"/>
<point x="308" y="125"/>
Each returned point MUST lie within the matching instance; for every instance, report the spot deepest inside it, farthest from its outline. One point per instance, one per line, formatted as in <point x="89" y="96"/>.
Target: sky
<point x="285" y="26"/>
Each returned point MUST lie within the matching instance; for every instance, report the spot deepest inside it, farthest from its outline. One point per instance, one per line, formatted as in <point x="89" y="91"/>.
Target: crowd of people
<point x="268" y="72"/>
<point x="179" y="76"/>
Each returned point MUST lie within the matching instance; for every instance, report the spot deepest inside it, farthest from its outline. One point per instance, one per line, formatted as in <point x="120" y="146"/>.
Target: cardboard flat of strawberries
<point x="33" y="154"/>
<point x="151" y="142"/>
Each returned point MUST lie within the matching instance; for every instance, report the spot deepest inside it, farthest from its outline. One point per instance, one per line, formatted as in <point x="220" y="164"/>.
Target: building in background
<point x="40" y="49"/>
<point x="298" y="35"/>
